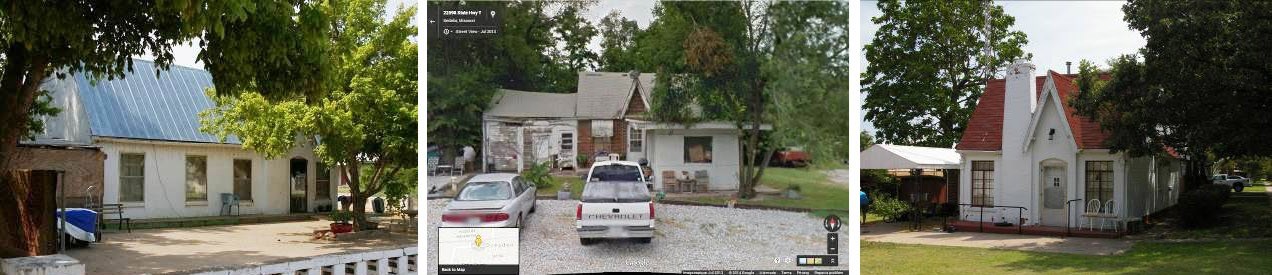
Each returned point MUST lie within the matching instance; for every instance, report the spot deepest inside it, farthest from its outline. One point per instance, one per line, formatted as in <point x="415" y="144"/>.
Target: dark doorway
<point x="299" y="183"/>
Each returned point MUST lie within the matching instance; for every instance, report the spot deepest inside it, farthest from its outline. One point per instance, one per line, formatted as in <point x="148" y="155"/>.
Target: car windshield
<point x="616" y="172"/>
<point x="485" y="191"/>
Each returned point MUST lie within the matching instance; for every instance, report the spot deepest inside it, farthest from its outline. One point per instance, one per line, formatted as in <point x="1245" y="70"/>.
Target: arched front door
<point x="1054" y="194"/>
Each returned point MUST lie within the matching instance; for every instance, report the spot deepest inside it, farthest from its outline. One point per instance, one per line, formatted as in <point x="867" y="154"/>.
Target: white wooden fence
<point x="399" y="261"/>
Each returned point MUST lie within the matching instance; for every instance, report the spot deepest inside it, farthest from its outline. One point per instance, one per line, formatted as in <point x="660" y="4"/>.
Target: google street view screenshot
<point x="1019" y="137"/>
<point x="209" y="137"/>
<point x="637" y="136"/>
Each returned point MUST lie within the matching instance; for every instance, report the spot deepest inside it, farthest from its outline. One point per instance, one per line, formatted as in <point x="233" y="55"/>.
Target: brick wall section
<point x="84" y="167"/>
<point x="584" y="138"/>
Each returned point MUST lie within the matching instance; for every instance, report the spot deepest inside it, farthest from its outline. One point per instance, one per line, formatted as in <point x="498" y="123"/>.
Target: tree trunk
<point x="22" y="76"/>
<point x="29" y="198"/>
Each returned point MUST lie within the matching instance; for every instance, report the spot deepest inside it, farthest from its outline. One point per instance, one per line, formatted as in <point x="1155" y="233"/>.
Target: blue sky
<point x="1057" y="32"/>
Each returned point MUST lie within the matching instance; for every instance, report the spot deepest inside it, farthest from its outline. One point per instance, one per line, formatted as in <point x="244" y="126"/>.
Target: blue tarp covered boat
<point x="81" y="223"/>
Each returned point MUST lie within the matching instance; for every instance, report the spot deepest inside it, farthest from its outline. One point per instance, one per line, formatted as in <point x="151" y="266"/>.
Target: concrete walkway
<point x="896" y="233"/>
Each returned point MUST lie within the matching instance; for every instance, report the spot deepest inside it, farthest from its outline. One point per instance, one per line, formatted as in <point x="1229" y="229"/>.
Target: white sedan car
<point x="491" y="200"/>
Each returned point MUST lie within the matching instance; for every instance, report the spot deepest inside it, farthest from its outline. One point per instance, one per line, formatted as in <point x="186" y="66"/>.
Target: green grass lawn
<point x="1219" y="257"/>
<point x="575" y="183"/>
<point x="817" y="192"/>
<point x="1247" y="214"/>
<point x="1255" y="189"/>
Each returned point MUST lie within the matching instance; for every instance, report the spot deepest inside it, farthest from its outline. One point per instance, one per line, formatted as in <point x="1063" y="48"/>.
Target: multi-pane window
<point x="196" y="178"/>
<point x="1099" y="180"/>
<point x="323" y="181"/>
<point x="243" y="179"/>
<point x="635" y="140"/>
<point x="567" y="141"/>
<point x="982" y="183"/>
<point x="132" y="178"/>
<point x="697" y="149"/>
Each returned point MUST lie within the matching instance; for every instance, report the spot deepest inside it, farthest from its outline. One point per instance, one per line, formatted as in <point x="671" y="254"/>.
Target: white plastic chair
<point x="1110" y="215"/>
<point x="1092" y="211"/>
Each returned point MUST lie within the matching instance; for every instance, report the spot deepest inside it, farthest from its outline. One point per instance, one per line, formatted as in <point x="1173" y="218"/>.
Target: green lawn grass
<point x="817" y="192"/>
<point x="1247" y="214"/>
<point x="575" y="183"/>
<point x="1218" y="257"/>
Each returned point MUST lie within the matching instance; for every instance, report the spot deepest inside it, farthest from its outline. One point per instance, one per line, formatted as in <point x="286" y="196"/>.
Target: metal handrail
<point x="1068" y="224"/>
<point x="1020" y="224"/>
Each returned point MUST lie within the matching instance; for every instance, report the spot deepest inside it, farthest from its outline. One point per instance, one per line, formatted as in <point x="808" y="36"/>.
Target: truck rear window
<point x="615" y="172"/>
<point x="619" y="191"/>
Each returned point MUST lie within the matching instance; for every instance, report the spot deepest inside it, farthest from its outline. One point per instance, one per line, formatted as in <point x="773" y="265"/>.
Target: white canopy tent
<point x="914" y="158"/>
<point x="888" y="156"/>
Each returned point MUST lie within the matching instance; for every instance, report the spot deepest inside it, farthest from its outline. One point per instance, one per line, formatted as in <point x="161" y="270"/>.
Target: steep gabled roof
<point x="144" y="106"/>
<point x="984" y="131"/>
<point x="604" y="95"/>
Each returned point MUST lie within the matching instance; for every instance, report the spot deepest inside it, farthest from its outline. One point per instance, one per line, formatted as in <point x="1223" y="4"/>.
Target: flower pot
<point x="338" y="228"/>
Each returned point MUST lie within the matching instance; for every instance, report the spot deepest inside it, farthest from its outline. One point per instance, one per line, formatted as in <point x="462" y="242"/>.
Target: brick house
<point x="607" y="115"/>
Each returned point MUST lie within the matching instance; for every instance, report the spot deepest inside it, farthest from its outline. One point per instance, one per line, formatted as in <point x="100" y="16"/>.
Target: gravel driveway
<point x="687" y="238"/>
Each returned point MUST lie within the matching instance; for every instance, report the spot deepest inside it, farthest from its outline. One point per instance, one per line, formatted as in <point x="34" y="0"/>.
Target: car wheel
<point x="1238" y="187"/>
<point x="586" y="241"/>
<point x="644" y="240"/>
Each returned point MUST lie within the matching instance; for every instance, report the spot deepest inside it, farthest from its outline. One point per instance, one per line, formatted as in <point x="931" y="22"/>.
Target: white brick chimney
<point x="1019" y="103"/>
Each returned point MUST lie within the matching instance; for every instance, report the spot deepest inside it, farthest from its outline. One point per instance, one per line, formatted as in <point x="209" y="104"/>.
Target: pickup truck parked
<point x="615" y="204"/>
<point x="1236" y="182"/>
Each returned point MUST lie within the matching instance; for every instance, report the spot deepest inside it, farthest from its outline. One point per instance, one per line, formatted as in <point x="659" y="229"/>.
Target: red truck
<point x="790" y="157"/>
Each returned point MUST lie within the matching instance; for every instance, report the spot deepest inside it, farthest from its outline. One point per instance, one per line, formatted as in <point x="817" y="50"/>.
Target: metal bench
<point x="114" y="209"/>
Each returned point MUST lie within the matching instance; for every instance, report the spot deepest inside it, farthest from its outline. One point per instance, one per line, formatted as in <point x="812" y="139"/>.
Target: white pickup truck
<point x="615" y="204"/>
<point x="1234" y="181"/>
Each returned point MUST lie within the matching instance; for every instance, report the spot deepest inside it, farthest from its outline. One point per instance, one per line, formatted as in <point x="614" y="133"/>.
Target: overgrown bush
<point x="887" y="207"/>
<point x="539" y="174"/>
<point x="400" y="189"/>
<point x="1201" y="207"/>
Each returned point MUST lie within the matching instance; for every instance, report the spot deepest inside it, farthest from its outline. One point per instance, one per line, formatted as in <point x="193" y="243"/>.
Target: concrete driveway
<point x="895" y="233"/>
<point x="177" y="249"/>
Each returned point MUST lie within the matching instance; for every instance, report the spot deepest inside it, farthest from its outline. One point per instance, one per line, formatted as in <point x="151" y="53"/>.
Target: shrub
<point x="539" y="174"/>
<point x="340" y="216"/>
<point x="1201" y="207"/>
<point x="887" y="207"/>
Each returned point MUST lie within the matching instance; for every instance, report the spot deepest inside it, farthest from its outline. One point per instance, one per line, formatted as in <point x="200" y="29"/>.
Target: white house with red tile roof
<point x="1024" y="146"/>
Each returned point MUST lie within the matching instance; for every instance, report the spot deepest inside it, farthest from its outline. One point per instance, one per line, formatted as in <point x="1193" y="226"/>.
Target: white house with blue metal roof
<point x="159" y="165"/>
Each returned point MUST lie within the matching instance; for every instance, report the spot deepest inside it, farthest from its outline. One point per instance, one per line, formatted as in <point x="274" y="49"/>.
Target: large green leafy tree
<point x="464" y="73"/>
<point x="99" y="38"/>
<point x="927" y="67"/>
<point x="751" y="63"/>
<point x="1199" y="85"/>
<point x="809" y="72"/>
<point x="365" y="120"/>
<point x="618" y="43"/>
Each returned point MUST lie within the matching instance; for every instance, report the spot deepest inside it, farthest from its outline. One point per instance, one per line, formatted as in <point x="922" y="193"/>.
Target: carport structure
<point x="916" y="159"/>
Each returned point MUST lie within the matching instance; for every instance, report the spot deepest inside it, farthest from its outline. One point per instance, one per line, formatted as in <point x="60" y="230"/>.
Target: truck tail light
<point x="651" y="210"/>
<point x="578" y="212"/>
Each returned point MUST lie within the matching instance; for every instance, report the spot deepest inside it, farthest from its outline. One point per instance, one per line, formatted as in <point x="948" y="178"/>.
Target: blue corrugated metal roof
<point x="143" y="106"/>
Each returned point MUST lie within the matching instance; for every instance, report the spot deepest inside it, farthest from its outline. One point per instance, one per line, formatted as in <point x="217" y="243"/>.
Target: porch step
<point x="1053" y="231"/>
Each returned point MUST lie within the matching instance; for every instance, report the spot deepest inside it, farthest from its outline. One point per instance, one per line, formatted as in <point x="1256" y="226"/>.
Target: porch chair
<point x="458" y="166"/>
<point x="1091" y="212"/>
<point x="670" y="184"/>
<point x="228" y="202"/>
<point x="702" y="181"/>
<point x="1110" y="215"/>
<point x="432" y="165"/>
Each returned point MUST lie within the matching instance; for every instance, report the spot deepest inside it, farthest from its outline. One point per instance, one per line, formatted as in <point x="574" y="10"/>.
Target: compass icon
<point x="831" y="223"/>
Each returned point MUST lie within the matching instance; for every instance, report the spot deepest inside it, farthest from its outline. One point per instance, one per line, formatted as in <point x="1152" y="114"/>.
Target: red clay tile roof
<point x="984" y="130"/>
